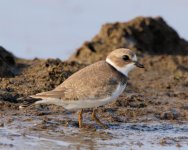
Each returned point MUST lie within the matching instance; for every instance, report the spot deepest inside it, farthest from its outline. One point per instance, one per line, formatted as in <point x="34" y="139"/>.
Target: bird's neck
<point x="122" y="70"/>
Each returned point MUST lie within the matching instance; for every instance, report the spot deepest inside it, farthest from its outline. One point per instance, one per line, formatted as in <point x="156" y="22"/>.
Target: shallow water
<point x="151" y="136"/>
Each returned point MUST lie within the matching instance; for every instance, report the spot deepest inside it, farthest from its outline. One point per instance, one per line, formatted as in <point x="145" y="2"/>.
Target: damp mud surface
<point x="152" y="112"/>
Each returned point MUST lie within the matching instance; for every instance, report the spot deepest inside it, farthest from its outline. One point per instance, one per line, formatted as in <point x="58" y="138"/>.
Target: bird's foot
<point x="94" y="117"/>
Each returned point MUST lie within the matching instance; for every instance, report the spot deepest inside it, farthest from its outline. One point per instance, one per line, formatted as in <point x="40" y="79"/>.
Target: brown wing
<point x="95" y="81"/>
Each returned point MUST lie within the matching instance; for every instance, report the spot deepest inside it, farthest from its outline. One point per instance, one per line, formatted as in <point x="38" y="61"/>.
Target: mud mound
<point x="7" y="62"/>
<point x="150" y="35"/>
<point x="36" y="76"/>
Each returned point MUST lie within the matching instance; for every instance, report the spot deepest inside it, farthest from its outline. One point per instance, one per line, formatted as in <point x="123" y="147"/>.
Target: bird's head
<point x="123" y="60"/>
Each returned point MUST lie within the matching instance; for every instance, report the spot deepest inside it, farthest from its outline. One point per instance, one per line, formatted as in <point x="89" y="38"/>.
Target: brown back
<point x="95" y="81"/>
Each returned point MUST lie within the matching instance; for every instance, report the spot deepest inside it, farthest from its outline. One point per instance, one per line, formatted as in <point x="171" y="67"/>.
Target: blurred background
<point x="55" y="28"/>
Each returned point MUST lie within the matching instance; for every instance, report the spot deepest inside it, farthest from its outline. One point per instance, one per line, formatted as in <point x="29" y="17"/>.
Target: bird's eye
<point x="125" y="57"/>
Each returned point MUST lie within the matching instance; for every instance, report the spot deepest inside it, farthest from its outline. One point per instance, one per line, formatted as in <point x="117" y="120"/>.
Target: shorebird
<point x="93" y="86"/>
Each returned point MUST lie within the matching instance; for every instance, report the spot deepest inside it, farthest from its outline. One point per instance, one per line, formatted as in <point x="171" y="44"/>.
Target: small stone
<point x="178" y="145"/>
<point x="170" y="115"/>
<point x="1" y="124"/>
<point x="185" y="107"/>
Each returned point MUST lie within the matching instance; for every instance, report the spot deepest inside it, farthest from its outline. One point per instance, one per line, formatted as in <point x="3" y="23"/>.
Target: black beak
<point x="139" y="64"/>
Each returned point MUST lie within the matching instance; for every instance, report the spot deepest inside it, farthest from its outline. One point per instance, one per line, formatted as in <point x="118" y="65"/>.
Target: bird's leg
<point x="94" y="117"/>
<point x="80" y="118"/>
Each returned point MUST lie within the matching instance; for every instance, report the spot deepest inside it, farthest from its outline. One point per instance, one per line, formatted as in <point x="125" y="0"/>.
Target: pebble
<point x="170" y="115"/>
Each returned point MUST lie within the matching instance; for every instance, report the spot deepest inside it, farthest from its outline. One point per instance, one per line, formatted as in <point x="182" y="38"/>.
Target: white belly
<point x="79" y="104"/>
<point x="96" y="103"/>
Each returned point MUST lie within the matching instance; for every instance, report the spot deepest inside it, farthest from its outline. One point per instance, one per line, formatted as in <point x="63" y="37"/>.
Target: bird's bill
<point x="139" y="64"/>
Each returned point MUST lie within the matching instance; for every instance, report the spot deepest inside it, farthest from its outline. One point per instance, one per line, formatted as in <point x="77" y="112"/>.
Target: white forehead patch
<point x="134" y="58"/>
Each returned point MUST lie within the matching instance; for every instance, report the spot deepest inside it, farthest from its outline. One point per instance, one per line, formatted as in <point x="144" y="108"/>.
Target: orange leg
<point x="94" y="117"/>
<point x="80" y="118"/>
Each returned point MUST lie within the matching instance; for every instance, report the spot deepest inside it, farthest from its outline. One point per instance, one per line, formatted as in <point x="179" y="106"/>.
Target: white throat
<point x="124" y="70"/>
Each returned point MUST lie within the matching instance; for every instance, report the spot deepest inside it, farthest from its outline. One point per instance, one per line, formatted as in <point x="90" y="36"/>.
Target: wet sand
<point x="35" y="134"/>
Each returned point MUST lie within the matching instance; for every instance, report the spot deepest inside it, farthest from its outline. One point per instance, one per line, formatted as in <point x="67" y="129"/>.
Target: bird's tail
<point x="41" y="100"/>
<point x="49" y="97"/>
<point x="27" y="101"/>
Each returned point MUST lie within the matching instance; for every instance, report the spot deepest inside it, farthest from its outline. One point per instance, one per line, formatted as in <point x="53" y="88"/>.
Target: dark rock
<point x="6" y="95"/>
<point x="142" y="34"/>
<point x="7" y="62"/>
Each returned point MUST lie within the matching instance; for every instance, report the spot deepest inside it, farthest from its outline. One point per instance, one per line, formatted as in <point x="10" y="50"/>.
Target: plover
<point x="93" y="86"/>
